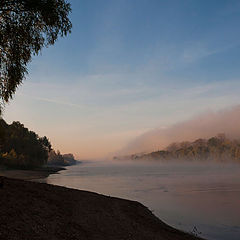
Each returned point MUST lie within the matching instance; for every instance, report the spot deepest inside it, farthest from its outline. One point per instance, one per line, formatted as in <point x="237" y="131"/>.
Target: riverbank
<point x="30" y="174"/>
<point x="31" y="210"/>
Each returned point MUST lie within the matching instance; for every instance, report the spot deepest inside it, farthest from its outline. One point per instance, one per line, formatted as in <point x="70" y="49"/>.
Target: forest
<point x="218" y="148"/>
<point x="22" y="148"/>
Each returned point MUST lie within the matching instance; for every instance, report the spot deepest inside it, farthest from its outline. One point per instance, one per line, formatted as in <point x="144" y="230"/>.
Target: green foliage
<point x="69" y="159"/>
<point x="26" y="26"/>
<point x="57" y="159"/>
<point x="22" y="148"/>
<point x="217" y="148"/>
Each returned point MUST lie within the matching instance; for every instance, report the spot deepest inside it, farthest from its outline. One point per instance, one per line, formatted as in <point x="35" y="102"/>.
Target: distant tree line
<point x="217" y="148"/>
<point x="22" y="148"/>
<point x="57" y="159"/>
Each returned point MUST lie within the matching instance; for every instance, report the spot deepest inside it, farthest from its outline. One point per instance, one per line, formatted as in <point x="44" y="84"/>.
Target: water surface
<point x="202" y="198"/>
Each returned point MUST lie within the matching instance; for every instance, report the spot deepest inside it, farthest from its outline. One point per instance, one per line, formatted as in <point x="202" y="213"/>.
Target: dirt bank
<point x="30" y="210"/>
<point x="29" y="174"/>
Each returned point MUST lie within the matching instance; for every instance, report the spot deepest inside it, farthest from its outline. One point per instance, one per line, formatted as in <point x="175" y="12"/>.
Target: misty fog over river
<point x="196" y="197"/>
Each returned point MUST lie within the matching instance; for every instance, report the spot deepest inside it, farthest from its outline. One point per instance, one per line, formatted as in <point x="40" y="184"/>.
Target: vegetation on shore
<point x="218" y="148"/>
<point x="58" y="159"/>
<point x="22" y="148"/>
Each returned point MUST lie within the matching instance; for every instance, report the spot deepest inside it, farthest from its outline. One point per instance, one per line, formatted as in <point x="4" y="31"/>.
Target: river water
<point x="200" y="198"/>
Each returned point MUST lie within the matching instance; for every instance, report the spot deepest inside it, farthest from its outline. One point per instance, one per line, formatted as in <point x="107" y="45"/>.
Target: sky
<point x="130" y="66"/>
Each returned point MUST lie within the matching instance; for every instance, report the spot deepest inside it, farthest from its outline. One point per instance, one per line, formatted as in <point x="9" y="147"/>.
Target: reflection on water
<point x="205" y="196"/>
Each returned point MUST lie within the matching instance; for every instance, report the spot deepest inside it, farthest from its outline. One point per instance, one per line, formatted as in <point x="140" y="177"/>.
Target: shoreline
<point x="31" y="210"/>
<point x="30" y="174"/>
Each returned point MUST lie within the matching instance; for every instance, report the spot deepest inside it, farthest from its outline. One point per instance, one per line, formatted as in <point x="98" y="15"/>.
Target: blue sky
<point x="130" y="66"/>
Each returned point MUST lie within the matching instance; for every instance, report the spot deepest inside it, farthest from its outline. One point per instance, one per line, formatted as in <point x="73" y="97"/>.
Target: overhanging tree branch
<point x="26" y="26"/>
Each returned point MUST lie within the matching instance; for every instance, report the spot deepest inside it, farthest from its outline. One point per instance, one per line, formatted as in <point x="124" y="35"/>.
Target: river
<point x="203" y="198"/>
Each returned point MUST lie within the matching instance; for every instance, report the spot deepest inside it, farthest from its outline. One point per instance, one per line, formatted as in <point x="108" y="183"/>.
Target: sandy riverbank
<point x="37" y="173"/>
<point x="31" y="210"/>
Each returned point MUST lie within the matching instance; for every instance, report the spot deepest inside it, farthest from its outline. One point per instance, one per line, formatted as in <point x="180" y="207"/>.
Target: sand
<point x="37" y="173"/>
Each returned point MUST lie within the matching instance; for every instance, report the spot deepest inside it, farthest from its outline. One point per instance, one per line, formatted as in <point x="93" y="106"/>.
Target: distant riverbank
<point x="31" y="210"/>
<point x="31" y="174"/>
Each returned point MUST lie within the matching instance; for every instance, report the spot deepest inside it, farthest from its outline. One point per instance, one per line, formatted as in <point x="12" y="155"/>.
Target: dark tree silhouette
<point x="26" y="26"/>
<point x="21" y="147"/>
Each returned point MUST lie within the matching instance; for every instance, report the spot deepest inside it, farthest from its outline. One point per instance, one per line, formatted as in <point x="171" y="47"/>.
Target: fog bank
<point x="205" y="125"/>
